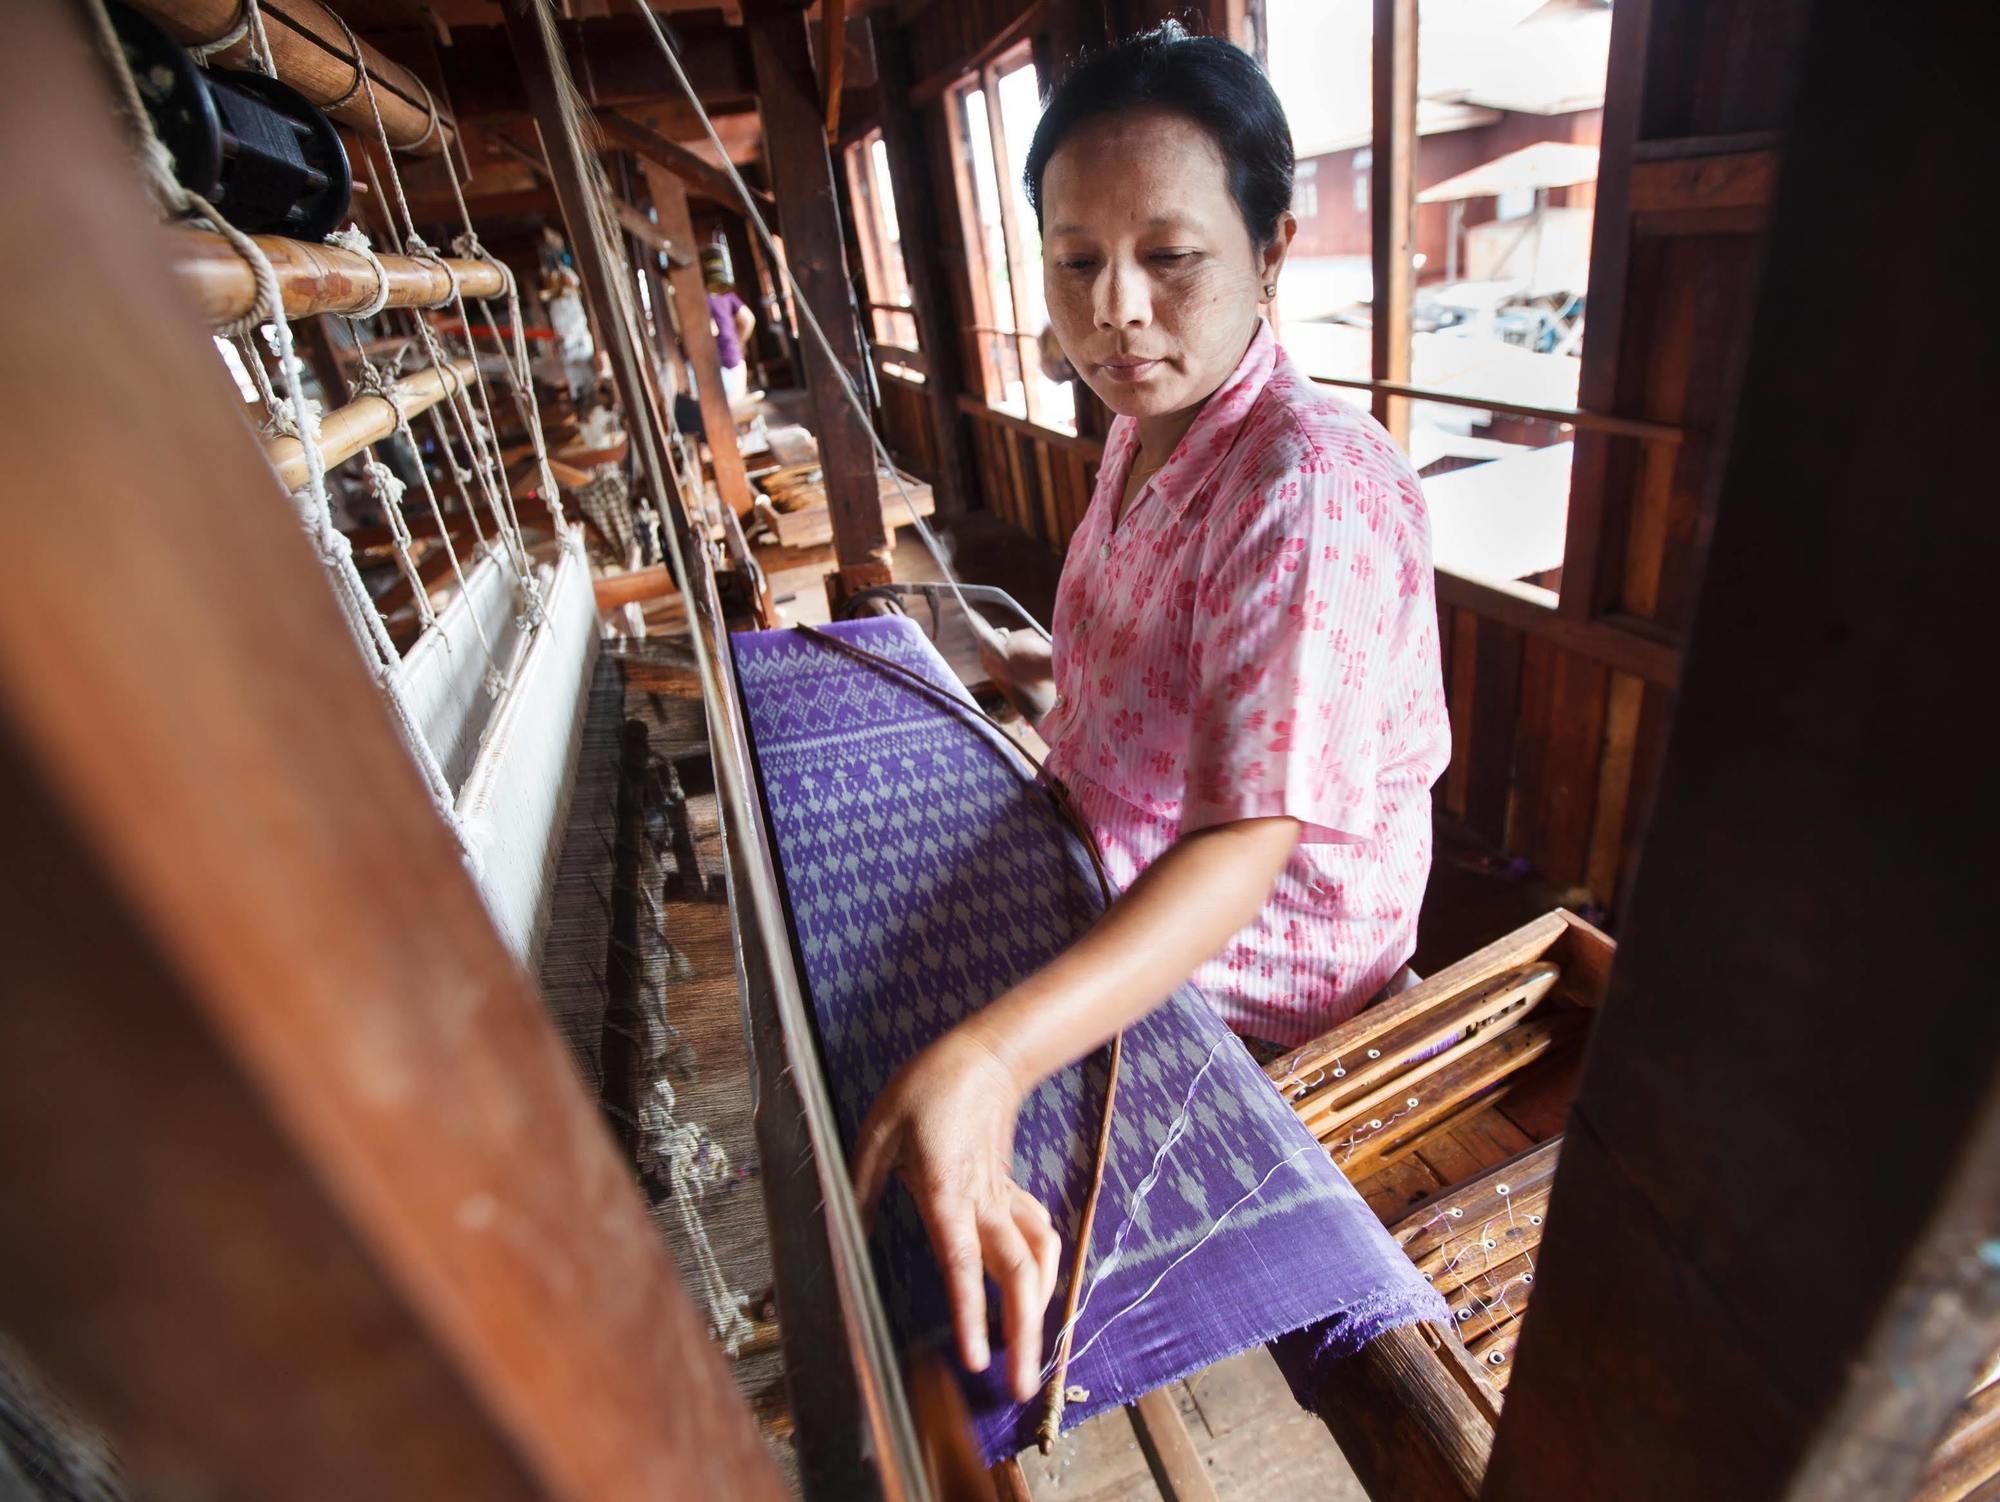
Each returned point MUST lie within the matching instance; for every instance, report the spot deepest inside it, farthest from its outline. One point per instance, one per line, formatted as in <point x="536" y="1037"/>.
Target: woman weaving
<point x="1246" y="703"/>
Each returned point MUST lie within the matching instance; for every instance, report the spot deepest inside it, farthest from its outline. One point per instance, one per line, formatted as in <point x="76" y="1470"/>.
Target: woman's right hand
<point x="1021" y="666"/>
<point x="944" y="1125"/>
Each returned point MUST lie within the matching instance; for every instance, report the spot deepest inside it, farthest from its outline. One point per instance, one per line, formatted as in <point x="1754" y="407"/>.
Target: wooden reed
<point x="316" y="278"/>
<point x="1440" y="1097"/>
<point x="1523" y="946"/>
<point x="1479" y="1016"/>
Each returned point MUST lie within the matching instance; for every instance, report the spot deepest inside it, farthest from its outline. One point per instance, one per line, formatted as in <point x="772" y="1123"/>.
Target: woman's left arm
<point x="945" y="1123"/>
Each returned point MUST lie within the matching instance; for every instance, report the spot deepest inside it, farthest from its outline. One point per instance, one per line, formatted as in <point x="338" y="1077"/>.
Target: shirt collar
<point x="1214" y="431"/>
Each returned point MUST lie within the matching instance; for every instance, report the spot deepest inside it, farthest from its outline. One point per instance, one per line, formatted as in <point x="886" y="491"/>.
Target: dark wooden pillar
<point x="1392" y="204"/>
<point x="670" y="202"/>
<point x="1773" y="1261"/>
<point x="802" y="177"/>
<point x="911" y="175"/>
<point x="602" y="276"/>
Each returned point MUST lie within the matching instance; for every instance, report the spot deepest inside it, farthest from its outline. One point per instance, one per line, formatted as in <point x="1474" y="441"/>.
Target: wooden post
<point x="304" y="1197"/>
<point x="1393" y="204"/>
<point x="691" y="300"/>
<point x="911" y="174"/>
<point x="602" y="277"/>
<point x="802" y="176"/>
<point x="1771" y="1263"/>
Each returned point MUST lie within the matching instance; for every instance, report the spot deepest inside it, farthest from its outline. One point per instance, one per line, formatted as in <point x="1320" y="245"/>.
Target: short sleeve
<point x="1302" y="603"/>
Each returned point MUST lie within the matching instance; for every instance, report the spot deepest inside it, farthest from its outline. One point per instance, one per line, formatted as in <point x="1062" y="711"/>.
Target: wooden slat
<point x="1575" y="747"/>
<point x="1624" y="697"/>
<point x="1496" y="694"/>
<point x="718" y="427"/>
<point x="1629" y="644"/>
<point x="802" y="179"/>
<point x="1690" y="191"/>
<point x="1523" y="946"/>
<point x="695" y="171"/>
<point x="1464" y="669"/>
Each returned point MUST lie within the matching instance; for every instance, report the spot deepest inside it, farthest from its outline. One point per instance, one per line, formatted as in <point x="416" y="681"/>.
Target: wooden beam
<point x="537" y="56"/>
<point x="314" y="278"/>
<point x="911" y="174"/>
<point x="634" y="223"/>
<point x="1178" y="1469"/>
<point x="635" y="586"/>
<point x="613" y="60"/>
<point x="833" y="55"/>
<point x="1597" y="507"/>
<point x="802" y="174"/>
<point x="1392" y="206"/>
<point x="692" y="168"/>
<point x="718" y="427"/>
<point x="1404" y="1418"/>
<point x="379" y="1243"/>
<point x="311" y="52"/>
<point x="346" y="431"/>
<point x="1798" y="1035"/>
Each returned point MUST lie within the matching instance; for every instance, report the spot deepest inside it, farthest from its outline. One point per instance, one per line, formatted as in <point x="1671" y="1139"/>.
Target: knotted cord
<point x="296" y="415"/>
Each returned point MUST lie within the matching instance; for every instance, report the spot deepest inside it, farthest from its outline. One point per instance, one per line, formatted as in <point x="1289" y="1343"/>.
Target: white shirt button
<point x="1103" y="551"/>
<point x="1061" y="701"/>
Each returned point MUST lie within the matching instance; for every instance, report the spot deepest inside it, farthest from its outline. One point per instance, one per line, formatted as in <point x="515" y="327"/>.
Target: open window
<point x="892" y="326"/>
<point x="993" y="113"/>
<point x="1475" y="359"/>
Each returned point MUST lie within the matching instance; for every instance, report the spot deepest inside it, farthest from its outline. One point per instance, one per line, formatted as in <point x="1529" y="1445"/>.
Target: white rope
<point x="980" y="625"/>
<point x="486" y="466"/>
<point x="332" y="548"/>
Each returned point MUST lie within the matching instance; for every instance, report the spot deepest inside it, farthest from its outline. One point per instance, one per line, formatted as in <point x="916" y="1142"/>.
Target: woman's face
<point x="1153" y="282"/>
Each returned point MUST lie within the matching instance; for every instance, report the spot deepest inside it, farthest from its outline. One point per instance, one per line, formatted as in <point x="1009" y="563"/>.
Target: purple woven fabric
<point x="926" y="873"/>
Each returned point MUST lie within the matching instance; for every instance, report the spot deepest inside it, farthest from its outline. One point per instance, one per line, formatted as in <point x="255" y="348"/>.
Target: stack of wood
<point x="794" y="503"/>
<point x="1445" y="1106"/>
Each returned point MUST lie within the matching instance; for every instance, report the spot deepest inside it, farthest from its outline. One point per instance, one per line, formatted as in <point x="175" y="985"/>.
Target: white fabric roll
<point x="514" y="801"/>
<point x="443" y="676"/>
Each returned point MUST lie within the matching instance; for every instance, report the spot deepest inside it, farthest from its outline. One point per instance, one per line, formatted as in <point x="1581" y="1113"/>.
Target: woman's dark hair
<point x="1217" y="86"/>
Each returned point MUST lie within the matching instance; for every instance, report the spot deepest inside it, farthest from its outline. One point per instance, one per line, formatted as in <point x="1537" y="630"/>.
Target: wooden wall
<point x="1559" y="714"/>
<point x="1038" y="480"/>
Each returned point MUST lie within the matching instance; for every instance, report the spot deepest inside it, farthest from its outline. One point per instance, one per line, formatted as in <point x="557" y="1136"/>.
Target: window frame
<point x="1392" y="188"/>
<point x="884" y="272"/>
<point x="992" y="322"/>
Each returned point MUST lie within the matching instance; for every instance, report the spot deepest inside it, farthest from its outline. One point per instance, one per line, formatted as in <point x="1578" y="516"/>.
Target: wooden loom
<point x="491" y="1312"/>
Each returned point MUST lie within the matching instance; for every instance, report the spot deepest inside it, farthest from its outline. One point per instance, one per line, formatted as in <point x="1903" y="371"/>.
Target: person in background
<point x="733" y="323"/>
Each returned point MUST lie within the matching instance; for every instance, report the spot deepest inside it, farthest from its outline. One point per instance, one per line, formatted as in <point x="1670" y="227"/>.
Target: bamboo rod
<point x="312" y="54"/>
<point x="316" y="278"/>
<point x="347" y="430"/>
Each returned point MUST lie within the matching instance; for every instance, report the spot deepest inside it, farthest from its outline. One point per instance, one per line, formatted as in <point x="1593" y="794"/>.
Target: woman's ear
<point x="1271" y="260"/>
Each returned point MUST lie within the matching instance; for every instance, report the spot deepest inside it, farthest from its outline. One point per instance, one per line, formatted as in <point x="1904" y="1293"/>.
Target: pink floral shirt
<point x="1258" y="637"/>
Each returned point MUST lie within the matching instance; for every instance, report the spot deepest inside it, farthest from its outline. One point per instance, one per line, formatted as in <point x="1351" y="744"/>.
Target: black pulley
<point x="256" y="148"/>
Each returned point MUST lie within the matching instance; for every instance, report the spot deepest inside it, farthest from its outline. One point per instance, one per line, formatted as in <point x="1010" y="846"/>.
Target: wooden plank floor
<point x="1256" y="1441"/>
